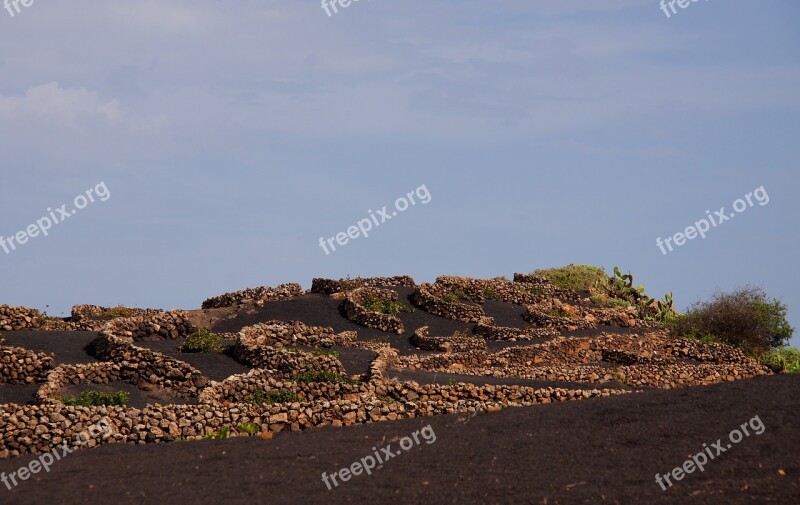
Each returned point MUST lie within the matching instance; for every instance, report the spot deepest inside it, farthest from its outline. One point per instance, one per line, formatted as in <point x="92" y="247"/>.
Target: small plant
<point x="603" y="300"/>
<point x="260" y="397"/>
<point x="383" y="305"/>
<point x="452" y="382"/>
<point x="457" y="295"/>
<point x="574" y="277"/>
<point x="118" y="311"/>
<point x="97" y="399"/>
<point x="535" y="291"/>
<point x="385" y="399"/>
<point x="323" y="376"/>
<point x="221" y="434"/>
<point x="562" y="313"/>
<point x="249" y="428"/>
<point x="201" y="341"/>
<point x="783" y="359"/>
<point x="491" y="294"/>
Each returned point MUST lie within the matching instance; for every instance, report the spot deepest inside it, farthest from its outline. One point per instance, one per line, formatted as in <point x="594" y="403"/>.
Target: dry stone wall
<point x="23" y="366"/>
<point x="452" y="343"/>
<point x="254" y="295"/>
<point x="330" y="286"/>
<point x="355" y="310"/>
<point x="13" y="318"/>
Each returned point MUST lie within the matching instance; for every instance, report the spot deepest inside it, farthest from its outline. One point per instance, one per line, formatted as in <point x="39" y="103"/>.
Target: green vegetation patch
<point x="783" y="359"/>
<point x="603" y="300"/>
<point x="745" y="318"/>
<point x="202" y="341"/>
<point x="574" y="277"/>
<point x="457" y="295"/>
<point x="323" y="376"/>
<point x="384" y="305"/>
<point x="98" y="398"/>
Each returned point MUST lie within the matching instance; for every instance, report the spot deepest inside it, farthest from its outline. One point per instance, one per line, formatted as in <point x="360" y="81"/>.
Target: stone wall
<point x="283" y="333"/>
<point x="285" y="362"/>
<point x="452" y="343"/>
<point x="428" y="297"/>
<point x="356" y="312"/>
<point x="145" y="368"/>
<point x="87" y="313"/>
<point x="254" y="295"/>
<point x="23" y="366"/>
<point x="330" y="286"/>
<point x="243" y="388"/>
<point x="543" y="286"/>
<point x="13" y="318"/>
<point x="163" y="325"/>
<point x="486" y="329"/>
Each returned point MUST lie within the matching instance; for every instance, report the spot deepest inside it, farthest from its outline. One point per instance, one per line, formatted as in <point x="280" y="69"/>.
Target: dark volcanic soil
<point x="594" y="452"/>
<point x="68" y="346"/>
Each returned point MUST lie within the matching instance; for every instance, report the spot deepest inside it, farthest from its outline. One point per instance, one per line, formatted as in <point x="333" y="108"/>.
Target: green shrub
<point x="604" y="300"/>
<point x="457" y="295"/>
<point x="384" y="305"/>
<point x="202" y="341"/>
<point x="745" y="318"/>
<point x="574" y="277"/>
<point x="220" y="434"/>
<point x="323" y="376"/>
<point x="260" y="397"/>
<point x="783" y="359"/>
<point x="491" y="294"/>
<point x="249" y="428"/>
<point x="98" y="398"/>
<point x="116" y="312"/>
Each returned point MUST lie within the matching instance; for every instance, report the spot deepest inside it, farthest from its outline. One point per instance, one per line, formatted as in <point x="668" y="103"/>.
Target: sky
<point x="232" y="136"/>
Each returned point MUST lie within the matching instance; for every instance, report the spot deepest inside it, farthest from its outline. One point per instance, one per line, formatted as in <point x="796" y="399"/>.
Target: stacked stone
<point x="254" y="295"/>
<point x="162" y="325"/>
<point x="63" y="375"/>
<point x="283" y="333"/>
<point x="286" y="363"/>
<point x="428" y="297"/>
<point x="709" y="353"/>
<point x="479" y="290"/>
<point x="486" y="329"/>
<point x="23" y="366"/>
<point x="546" y="287"/>
<point x="241" y="388"/>
<point x="452" y="343"/>
<point x="330" y="286"/>
<point x="146" y="368"/>
<point x="13" y="318"/>
<point x="86" y="313"/>
<point x="356" y="312"/>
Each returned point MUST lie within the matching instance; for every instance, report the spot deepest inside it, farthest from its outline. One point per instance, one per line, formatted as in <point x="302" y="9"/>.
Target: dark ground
<point x="594" y="452"/>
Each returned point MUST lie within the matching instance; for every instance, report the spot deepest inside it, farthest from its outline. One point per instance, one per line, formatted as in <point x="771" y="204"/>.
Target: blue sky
<point x="232" y="136"/>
